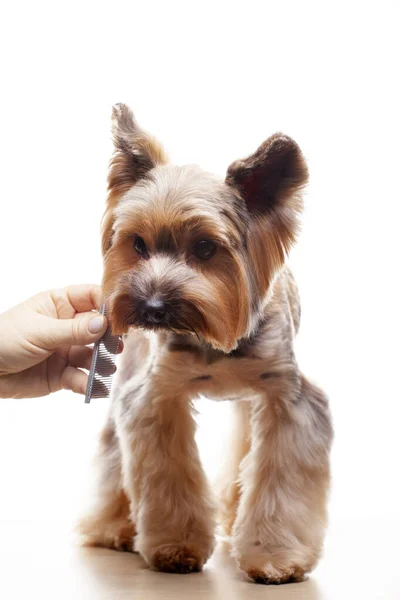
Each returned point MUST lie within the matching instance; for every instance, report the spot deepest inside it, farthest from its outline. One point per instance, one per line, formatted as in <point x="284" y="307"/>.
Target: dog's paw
<point x="178" y="559"/>
<point x="123" y="539"/>
<point x="269" y="575"/>
<point x="273" y="567"/>
<point x="114" y="536"/>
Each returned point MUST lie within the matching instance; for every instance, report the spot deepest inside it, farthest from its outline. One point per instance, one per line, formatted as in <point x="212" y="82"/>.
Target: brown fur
<point x="231" y="325"/>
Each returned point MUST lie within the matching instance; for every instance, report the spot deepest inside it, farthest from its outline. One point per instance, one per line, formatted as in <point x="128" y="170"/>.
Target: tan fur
<point x="109" y="524"/>
<point x="229" y="335"/>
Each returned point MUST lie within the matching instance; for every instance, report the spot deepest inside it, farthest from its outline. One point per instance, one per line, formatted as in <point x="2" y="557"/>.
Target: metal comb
<point x="102" y="368"/>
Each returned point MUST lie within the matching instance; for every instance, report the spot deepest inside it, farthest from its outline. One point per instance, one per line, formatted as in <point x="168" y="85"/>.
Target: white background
<point x="211" y="81"/>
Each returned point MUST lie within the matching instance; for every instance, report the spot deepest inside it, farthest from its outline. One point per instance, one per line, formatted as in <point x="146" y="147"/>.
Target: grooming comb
<point x="102" y="368"/>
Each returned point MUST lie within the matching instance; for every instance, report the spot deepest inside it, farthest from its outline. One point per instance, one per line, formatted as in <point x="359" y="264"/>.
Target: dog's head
<point x="187" y="252"/>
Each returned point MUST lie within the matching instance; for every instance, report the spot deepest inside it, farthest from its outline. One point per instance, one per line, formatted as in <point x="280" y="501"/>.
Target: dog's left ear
<point x="270" y="182"/>
<point x="270" y="177"/>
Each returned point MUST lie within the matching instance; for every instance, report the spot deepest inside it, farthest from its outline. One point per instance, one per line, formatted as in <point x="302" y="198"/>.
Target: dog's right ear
<point x="135" y="154"/>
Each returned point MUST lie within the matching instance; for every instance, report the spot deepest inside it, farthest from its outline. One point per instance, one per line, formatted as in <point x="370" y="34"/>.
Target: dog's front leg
<point x="169" y="493"/>
<point x="278" y="533"/>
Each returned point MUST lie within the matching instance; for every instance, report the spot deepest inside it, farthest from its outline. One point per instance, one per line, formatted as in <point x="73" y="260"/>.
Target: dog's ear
<point x="270" y="182"/>
<point x="135" y="154"/>
<point x="271" y="176"/>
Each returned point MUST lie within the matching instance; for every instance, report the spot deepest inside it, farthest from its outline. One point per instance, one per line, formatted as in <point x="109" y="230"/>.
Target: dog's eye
<point x="140" y="246"/>
<point x="205" y="249"/>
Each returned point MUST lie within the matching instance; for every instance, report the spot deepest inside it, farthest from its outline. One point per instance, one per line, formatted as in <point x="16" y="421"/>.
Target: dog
<point x="195" y="280"/>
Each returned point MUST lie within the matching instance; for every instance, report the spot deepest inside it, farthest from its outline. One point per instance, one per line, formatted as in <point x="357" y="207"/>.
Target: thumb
<point x="85" y="329"/>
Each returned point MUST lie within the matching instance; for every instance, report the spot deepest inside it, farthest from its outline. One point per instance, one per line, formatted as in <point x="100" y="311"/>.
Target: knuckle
<point x="77" y="331"/>
<point x="66" y="379"/>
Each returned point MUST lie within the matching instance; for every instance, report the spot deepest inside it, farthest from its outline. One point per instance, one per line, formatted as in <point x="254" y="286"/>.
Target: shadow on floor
<point x="113" y="575"/>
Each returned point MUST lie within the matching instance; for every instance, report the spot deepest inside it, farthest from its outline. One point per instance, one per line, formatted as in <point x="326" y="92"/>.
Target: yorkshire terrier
<point x="195" y="279"/>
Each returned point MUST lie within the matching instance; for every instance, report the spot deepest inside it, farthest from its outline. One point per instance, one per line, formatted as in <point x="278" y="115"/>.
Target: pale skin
<point x="45" y="342"/>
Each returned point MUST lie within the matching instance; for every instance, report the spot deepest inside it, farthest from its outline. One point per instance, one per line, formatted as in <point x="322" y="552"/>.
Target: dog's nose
<point x="154" y="311"/>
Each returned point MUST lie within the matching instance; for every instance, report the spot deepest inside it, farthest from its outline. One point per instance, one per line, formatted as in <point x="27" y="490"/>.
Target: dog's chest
<point x="175" y="368"/>
<point x="202" y="371"/>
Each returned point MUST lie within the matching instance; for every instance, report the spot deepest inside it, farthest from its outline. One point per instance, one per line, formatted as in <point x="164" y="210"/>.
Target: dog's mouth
<point x="154" y="315"/>
<point x="173" y="328"/>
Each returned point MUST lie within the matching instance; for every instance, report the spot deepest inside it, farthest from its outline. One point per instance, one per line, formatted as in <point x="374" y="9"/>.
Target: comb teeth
<point x="103" y="365"/>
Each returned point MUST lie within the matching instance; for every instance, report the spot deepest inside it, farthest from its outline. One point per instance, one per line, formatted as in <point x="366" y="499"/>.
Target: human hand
<point x="43" y="342"/>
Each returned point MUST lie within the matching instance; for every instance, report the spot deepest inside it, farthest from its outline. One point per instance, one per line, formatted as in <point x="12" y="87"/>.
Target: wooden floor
<point x="40" y="560"/>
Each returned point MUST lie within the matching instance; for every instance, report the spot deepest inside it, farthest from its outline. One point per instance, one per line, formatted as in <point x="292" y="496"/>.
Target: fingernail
<point x="96" y="324"/>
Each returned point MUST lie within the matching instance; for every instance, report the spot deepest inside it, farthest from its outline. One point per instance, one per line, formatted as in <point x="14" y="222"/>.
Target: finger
<point x="85" y="297"/>
<point x="74" y="379"/>
<point x="81" y="331"/>
<point x="76" y="298"/>
<point x="80" y="356"/>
